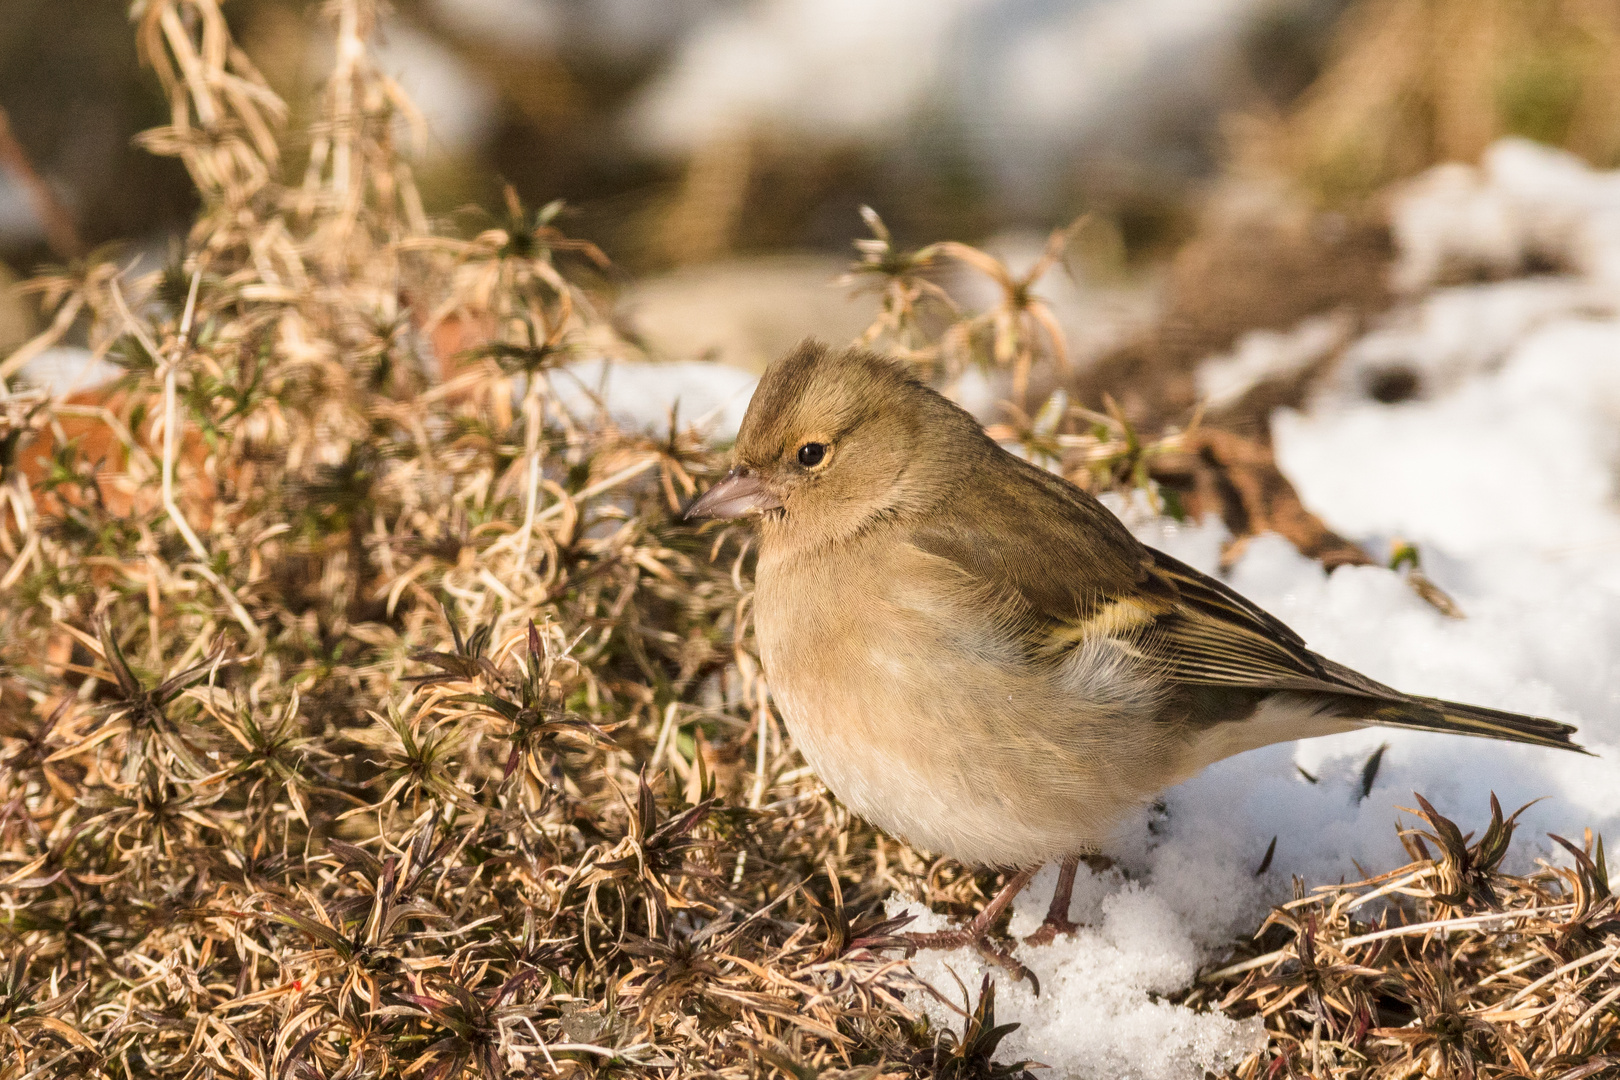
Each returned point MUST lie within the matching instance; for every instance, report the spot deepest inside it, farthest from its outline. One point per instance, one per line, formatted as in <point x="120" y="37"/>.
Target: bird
<point x="977" y="656"/>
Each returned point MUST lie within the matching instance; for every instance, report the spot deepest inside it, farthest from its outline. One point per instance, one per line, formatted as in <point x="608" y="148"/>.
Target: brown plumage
<point x="976" y="655"/>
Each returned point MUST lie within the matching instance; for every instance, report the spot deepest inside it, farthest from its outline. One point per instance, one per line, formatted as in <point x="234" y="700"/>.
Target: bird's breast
<point x="912" y="702"/>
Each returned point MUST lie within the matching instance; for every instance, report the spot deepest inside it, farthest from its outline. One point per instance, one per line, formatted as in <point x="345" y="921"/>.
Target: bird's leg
<point x="977" y="932"/>
<point x="982" y="923"/>
<point x="1057" y="919"/>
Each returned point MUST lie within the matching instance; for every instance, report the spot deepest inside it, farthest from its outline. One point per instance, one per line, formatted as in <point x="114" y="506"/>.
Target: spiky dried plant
<point x="363" y="712"/>
<point x="1445" y="967"/>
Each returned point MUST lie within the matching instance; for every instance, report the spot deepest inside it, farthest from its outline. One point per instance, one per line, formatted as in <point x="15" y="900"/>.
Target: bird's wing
<point x="1207" y="634"/>
<point x="1068" y="571"/>
<point x="1061" y="570"/>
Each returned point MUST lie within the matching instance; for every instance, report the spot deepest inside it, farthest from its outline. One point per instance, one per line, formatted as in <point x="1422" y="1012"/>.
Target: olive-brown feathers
<point x="892" y="445"/>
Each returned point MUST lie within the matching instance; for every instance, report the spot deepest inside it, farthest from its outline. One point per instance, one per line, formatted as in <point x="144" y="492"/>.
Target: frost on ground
<point x="1503" y="467"/>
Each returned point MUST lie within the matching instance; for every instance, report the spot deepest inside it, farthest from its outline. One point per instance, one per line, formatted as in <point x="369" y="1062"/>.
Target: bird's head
<point x="835" y="441"/>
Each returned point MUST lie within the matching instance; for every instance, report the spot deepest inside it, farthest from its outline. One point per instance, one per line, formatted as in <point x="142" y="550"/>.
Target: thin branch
<point x="60" y="232"/>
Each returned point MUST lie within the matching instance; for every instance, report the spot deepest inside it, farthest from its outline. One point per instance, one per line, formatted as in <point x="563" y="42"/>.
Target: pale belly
<point x="983" y="808"/>
<point x="923" y="723"/>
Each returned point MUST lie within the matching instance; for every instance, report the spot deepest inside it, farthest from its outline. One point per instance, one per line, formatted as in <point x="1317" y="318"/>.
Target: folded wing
<point x="1068" y="570"/>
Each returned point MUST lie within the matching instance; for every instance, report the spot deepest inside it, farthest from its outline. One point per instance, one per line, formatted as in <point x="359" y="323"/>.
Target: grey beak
<point x="738" y="494"/>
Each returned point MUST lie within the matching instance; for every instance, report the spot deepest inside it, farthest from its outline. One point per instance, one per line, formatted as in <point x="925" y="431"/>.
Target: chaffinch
<point x="977" y="656"/>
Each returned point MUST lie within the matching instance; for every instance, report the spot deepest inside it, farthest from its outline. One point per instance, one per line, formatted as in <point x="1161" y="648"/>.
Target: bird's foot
<point x="976" y="934"/>
<point x="1057" y="919"/>
<point x="979" y="940"/>
<point x="1049" y="930"/>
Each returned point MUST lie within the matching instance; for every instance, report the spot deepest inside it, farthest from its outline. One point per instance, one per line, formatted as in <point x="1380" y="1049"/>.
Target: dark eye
<point x="811" y="453"/>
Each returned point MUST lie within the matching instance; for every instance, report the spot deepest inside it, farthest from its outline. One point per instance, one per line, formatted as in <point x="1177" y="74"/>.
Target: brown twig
<point x="60" y="232"/>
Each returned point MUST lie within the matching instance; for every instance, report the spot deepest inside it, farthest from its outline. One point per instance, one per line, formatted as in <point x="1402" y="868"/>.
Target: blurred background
<point x="768" y="121"/>
<point x="723" y="147"/>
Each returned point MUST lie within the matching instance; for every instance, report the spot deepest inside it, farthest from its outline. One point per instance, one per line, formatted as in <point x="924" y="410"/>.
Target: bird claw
<point x="979" y="941"/>
<point x="1057" y="919"/>
<point x="1049" y="930"/>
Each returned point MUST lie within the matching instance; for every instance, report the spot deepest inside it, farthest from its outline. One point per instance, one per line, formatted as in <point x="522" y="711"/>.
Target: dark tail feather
<point x="1432" y="714"/>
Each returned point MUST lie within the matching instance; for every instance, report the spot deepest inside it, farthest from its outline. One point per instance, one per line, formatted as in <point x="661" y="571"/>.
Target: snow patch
<point x="67" y="369"/>
<point x="1526" y="206"/>
<point x="1264" y="355"/>
<point x="1094" y="1017"/>
<point x="646" y="396"/>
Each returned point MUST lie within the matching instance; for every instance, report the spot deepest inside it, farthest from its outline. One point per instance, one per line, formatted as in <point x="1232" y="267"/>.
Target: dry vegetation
<point x="362" y="715"/>
<point x="1411" y="83"/>
<point x="1445" y="967"/>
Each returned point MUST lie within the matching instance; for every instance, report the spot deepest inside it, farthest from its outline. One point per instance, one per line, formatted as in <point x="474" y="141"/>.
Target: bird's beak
<point x="738" y="494"/>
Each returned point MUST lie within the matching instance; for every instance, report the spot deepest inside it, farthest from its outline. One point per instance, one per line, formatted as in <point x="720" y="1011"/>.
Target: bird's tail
<point x="1433" y="714"/>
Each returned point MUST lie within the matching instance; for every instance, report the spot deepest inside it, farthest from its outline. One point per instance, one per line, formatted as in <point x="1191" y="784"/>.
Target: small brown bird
<point x="977" y="656"/>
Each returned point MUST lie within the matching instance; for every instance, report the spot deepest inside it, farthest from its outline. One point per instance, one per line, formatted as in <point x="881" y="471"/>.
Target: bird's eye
<point x="811" y="453"/>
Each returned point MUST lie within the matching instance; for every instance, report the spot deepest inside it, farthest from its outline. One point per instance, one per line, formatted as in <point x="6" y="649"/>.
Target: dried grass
<point x="1415" y="82"/>
<point x="1444" y="967"/>
<point x="361" y="714"/>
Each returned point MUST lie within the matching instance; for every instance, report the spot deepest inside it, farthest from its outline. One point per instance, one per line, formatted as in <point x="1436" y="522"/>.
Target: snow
<point x="1018" y="84"/>
<point x="19" y="218"/>
<point x="1262" y="355"/>
<point x="459" y="105"/>
<point x="641" y="395"/>
<point x="1526" y="204"/>
<point x="1095" y="1015"/>
<point x="67" y="369"/>
<point x="1456" y="333"/>
<point x="831" y="68"/>
<point x="1539" y="436"/>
